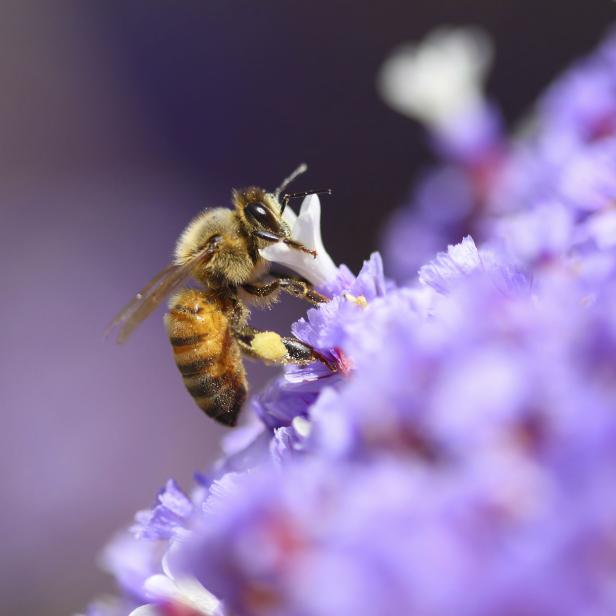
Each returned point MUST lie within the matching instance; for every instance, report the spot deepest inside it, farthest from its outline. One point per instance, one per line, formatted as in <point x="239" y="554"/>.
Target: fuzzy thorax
<point x="232" y="261"/>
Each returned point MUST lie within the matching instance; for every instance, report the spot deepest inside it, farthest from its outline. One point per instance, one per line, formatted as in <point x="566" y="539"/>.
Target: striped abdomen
<point x="207" y="354"/>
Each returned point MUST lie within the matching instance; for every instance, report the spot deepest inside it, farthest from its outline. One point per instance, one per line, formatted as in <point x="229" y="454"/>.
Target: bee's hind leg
<point x="273" y="348"/>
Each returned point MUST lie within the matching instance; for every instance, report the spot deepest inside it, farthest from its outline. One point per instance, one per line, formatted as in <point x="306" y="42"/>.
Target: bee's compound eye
<point x="260" y="214"/>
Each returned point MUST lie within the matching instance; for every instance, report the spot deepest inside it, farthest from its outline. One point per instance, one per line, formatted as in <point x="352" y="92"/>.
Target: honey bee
<point x="208" y="327"/>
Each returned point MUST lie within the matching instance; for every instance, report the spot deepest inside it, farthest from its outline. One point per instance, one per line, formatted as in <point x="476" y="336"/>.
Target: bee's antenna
<point x="288" y="197"/>
<point x="301" y="169"/>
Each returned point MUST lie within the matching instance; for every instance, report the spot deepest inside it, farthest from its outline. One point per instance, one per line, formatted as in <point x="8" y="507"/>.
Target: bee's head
<point x="260" y="215"/>
<point x="261" y="212"/>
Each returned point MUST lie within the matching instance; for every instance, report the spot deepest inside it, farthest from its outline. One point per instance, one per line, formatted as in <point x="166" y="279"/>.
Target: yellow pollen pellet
<point x="269" y="346"/>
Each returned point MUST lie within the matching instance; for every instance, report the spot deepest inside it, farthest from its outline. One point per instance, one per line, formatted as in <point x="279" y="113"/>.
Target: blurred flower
<point x="465" y="129"/>
<point x="580" y="105"/>
<point x="541" y="234"/>
<point x="439" y="79"/>
<point x="132" y="562"/>
<point x="562" y="157"/>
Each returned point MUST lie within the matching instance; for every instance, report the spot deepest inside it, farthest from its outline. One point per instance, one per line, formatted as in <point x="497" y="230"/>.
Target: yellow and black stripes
<point x="187" y="341"/>
<point x="208" y="334"/>
<point x="206" y="353"/>
<point x="194" y="368"/>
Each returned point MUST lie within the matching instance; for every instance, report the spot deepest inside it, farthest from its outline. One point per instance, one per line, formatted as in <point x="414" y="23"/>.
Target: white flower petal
<point x="289" y="216"/>
<point x="439" y="78"/>
<point x="145" y="610"/>
<point x="185" y="590"/>
<point x="159" y="586"/>
<point x="179" y="589"/>
<point x="302" y="426"/>
<point x="193" y="593"/>
<point x="306" y="229"/>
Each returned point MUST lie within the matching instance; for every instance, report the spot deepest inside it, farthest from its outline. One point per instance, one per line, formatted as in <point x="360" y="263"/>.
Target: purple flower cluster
<point x="462" y="459"/>
<point x="555" y="173"/>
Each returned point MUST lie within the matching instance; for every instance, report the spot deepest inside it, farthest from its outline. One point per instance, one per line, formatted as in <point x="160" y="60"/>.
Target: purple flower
<point x="390" y="537"/>
<point x="469" y="461"/>
<point x="540" y="235"/>
<point x="582" y="103"/>
<point x="289" y="441"/>
<point x="472" y="139"/>
<point x="168" y="518"/>
<point x="285" y="398"/>
<point x="324" y="328"/>
<point x="587" y="182"/>
<point x="243" y="448"/>
<point x="564" y="156"/>
<point x="463" y="260"/>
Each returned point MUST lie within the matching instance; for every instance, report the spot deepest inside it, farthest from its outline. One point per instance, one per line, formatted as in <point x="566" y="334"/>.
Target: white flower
<point x="184" y="590"/>
<point x="440" y="78"/>
<point x="302" y="426"/>
<point x="305" y="229"/>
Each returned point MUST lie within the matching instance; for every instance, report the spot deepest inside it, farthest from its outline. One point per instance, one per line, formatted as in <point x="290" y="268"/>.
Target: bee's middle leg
<point x="293" y="286"/>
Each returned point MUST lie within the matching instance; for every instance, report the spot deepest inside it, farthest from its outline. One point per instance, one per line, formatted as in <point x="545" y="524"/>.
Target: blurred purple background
<point x="118" y="123"/>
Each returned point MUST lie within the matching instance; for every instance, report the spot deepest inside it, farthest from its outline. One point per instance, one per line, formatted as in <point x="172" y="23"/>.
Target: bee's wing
<point x="161" y="286"/>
